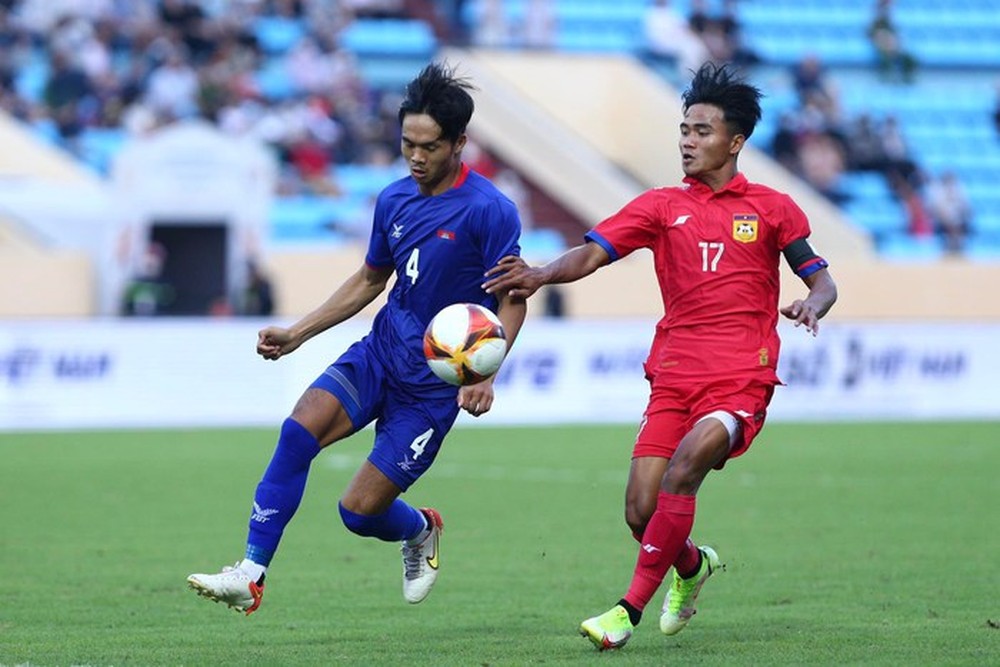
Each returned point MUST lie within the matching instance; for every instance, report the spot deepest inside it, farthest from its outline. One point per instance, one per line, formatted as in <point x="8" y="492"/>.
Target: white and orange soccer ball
<point x="464" y="344"/>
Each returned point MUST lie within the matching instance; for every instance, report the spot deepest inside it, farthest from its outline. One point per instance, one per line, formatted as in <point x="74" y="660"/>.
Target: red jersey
<point x="716" y="256"/>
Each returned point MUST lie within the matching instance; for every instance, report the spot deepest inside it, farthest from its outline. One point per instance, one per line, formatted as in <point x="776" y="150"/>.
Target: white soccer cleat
<point x="420" y="561"/>
<point x="232" y="586"/>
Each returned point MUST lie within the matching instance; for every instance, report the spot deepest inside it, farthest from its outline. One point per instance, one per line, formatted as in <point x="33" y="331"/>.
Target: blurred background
<point x="175" y="170"/>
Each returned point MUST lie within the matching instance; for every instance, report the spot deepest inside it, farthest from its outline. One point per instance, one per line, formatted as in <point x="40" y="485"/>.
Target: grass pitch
<point x="845" y="544"/>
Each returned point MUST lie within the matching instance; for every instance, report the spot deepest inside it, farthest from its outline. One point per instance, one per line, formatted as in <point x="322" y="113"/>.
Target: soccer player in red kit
<point x="716" y="241"/>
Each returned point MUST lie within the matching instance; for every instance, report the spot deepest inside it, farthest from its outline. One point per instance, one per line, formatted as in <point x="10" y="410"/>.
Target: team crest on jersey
<point x="446" y="234"/>
<point x="745" y="227"/>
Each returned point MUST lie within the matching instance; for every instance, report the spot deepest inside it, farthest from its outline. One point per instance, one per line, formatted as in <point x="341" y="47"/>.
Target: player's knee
<point x="684" y="476"/>
<point x="637" y="515"/>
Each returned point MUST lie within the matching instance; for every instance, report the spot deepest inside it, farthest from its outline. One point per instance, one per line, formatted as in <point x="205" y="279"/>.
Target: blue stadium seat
<point x="389" y="37"/>
<point x="31" y="77"/>
<point x="99" y="145"/>
<point x="363" y="180"/>
<point x="273" y="81"/>
<point x="305" y="218"/>
<point x="277" y="34"/>
<point x="541" y="245"/>
<point x="906" y="248"/>
<point x="880" y="217"/>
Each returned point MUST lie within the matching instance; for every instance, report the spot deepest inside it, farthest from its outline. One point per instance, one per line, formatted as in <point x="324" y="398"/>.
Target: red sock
<point x="688" y="558"/>
<point x="665" y="537"/>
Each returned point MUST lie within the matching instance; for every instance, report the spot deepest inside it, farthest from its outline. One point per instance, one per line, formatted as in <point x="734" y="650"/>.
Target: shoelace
<point x="412" y="560"/>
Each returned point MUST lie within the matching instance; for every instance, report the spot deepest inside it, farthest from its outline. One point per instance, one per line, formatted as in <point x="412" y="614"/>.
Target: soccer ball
<point x="464" y="344"/>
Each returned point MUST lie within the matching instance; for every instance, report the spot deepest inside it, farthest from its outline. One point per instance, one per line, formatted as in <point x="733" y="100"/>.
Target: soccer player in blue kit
<point x="437" y="230"/>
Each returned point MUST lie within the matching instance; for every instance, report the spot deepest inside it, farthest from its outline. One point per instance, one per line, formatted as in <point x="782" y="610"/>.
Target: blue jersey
<point x="440" y="247"/>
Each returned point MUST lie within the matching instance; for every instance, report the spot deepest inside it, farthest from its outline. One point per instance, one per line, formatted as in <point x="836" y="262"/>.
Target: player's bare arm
<point x="477" y="399"/>
<point x="514" y="277"/>
<point x="354" y="294"/>
<point x="822" y="295"/>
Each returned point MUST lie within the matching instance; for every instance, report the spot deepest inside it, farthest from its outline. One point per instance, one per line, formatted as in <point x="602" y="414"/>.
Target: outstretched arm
<point x="354" y="294"/>
<point x="821" y="297"/>
<point x="512" y="275"/>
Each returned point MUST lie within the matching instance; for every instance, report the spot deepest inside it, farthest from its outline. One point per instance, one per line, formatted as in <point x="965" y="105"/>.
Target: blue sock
<point x="399" y="522"/>
<point x="280" y="490"/>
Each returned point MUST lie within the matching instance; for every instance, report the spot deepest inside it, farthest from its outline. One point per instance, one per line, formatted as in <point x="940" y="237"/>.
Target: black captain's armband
<point x="803" y="259"/>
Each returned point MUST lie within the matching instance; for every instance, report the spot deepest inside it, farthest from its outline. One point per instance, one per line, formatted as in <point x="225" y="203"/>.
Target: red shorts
<point x="673" y="410"/>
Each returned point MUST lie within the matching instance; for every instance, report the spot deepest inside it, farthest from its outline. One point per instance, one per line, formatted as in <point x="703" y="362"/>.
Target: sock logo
<point x="649" y="548"/>
<point x="261" y="515"/>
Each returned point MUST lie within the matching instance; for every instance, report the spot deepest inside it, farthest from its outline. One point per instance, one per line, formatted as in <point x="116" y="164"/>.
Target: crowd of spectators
<point x="685" y="42"/>
<point x="819" y="142"/>
<point x="142" y="64"/>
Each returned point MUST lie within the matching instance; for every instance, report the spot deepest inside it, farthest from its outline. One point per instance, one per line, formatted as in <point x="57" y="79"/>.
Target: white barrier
<point x="159" y="373"/>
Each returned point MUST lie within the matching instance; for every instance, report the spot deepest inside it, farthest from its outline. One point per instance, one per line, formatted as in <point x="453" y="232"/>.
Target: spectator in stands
<point x="822" y="163"/>
<point x="810" y="81"/>
<point x="894" y="62"/>
<point x="310" y="159"/>
<point x="950" y="209"/>
<point x="785" y="143"/>
<point x="919" y="222"/>
<point x="996" y="110"/>
<point x="65" y="94"/>
<point x="721" y="33"/>
<point x="172" y="88"/>
<point x="711" y="32"/>
<point x="670" y="40"/>
<point x="376" y="9"/>
<point x="258" y="295"/>
<point x="866" y="151"/>
<point x="479" y="160"/>
<point x="491" y="28"/>
<point x="147" y="292"/>
<point x="539" y="26"/>
<point x="741" y="54"/>
<point x="900" y="164"/>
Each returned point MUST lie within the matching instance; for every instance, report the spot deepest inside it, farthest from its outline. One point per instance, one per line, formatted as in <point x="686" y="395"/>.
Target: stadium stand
<point x="944" y="112"/>
<point x="318" y="70"/>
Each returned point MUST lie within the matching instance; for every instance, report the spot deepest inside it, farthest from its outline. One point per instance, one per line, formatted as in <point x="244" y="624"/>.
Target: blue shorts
<point x="409" y="430"/>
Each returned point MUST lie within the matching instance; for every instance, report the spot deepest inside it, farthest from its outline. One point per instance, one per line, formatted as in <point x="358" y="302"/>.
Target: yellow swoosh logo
<point x="432" y="561"/>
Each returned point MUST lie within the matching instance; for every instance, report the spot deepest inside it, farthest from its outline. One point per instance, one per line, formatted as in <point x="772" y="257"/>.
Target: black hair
<point x="441" y="95"/>
<point x="721" y="87"/>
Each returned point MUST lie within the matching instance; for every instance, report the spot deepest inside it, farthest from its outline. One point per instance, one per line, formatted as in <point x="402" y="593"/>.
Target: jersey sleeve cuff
<point x="594" y="237"/>
<point x="811" y="267"/>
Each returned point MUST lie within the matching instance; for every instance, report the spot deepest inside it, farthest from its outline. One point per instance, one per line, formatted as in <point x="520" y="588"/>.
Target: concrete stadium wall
<point x="46" y="284"/>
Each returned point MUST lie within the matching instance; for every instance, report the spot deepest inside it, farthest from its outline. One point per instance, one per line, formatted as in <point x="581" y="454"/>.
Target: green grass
<point x="845" y="544"/>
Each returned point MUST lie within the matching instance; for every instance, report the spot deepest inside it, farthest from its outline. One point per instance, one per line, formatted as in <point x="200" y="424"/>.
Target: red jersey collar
<point x="737" y="183"/>
<point x="463" y="173"/>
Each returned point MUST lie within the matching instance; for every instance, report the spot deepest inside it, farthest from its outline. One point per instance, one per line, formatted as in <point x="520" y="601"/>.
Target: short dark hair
<point x="441" y="95"/>
<point x="720" y="86"/>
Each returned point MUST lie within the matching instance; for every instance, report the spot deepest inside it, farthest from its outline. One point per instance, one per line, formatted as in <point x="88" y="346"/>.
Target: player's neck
<point x="455" y="176"/>
<point x="719" y="178"/>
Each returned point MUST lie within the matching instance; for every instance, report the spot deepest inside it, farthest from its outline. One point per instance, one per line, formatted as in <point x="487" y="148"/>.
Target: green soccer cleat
<point x="609" y="630"/>
<point x="678" y="608"/>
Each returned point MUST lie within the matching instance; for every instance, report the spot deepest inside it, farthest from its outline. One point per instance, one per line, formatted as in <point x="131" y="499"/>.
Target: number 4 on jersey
<point x="412" y="265"/>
